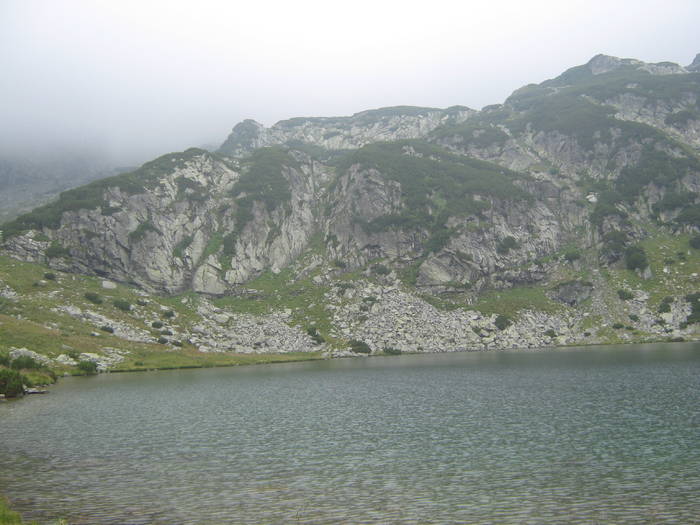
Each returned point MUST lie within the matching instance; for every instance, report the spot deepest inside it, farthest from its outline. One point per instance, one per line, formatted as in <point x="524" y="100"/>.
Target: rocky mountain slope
<point x="567" y="214"/>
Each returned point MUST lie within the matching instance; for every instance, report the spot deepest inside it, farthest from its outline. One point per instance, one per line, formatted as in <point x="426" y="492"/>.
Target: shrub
<point x="634" y="317"/>
<point x="93" y="297"/>
<point x="572" y="255"/>
<point x="177" y="343"/>
<point x="664" y="308"/>
<point x="392" y="351"/>
<point x="169" y="314"/>
<point x="618" y="326"/>
<point x="142" y="302"/>
<point x="502" y="322"/>
<point x="4" y="360"/>
<point x="624" y="294"/>
<point x="107" y="329"/>
<point x="162" y="340"/>
<point x="360" y="347"/>
<point x="11" y="382"/>
<point x="315" y="336"/>
<point x="166" y="332"/>
<point x="636" y="258"/>
<point x="550" y="333"/>
<point x="49" y="276"/>
<point x="55" y="250"/>
<point x="24" y="362"/>
<point x="340" y="264"/>
<point x="122" y="304"/>
<point x="380" y="269"/>
<point x="157" y="324"/>
<point x="677" y="339"/>
<point x="87" y="367"/>
<point x="695" y="242"/>
<point x="506" y="244"/>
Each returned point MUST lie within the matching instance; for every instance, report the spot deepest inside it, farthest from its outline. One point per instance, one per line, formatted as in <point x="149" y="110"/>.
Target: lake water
<point x="608" y="434"/>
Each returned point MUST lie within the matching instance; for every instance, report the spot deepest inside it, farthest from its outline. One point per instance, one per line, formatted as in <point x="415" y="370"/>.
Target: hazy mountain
<point x="574" y="188"/>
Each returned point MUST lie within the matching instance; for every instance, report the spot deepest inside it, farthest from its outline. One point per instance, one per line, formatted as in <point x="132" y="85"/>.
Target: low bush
<point x="634" y="317"/>
<point x="392" y="351"/>
<point x="550" y="333"/>
<point x="572" y="255"/>
<point x="618" y="326"/>
<point x="107" y="329"/>
<point x="162" y="340"/>
<point x="636" y="258"/>
<point x="168" y="314"/>
<point x="122" y="304"/>
<point x="380" y="269"/>
<point x="664" y="308"/>
<point x="93" y="297"/>
<point x="695" y="242"/>
<point x="87" y="367"/>
<point x="11" y="382"/>
<point x="49" y="276"/>
<point x="24" y="362"/>
<point x="360" y="347"/>
<point x="157" y="324"/>
<point x="315" y="336"/>
<point x="505" y="245"/>
<point x="502" y="322"/>
<point x="624" y="294"/>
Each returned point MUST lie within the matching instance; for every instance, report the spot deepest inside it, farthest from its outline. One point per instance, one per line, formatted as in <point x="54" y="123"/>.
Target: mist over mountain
<point x="575" y="199"/>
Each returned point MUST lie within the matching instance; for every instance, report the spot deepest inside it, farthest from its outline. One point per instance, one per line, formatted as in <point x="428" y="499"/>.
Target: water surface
<point x="606" y="434"/>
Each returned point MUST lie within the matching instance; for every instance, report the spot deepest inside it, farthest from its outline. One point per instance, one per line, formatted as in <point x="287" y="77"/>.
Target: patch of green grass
<point x="512" y="300"/>
<point x="7" y="515"/>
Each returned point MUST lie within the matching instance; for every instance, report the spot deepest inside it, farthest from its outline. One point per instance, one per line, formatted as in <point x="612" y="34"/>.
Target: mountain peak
<point x="695" y="66"/>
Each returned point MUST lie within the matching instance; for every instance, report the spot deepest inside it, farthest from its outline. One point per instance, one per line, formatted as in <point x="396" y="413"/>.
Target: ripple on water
<point x="594" y="435"/>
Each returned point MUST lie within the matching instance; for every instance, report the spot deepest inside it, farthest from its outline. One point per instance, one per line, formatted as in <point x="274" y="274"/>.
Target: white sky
<point x="140" y="78"/>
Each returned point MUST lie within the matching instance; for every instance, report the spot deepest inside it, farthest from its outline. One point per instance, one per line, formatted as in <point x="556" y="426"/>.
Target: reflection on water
<point x="595" y="434"/>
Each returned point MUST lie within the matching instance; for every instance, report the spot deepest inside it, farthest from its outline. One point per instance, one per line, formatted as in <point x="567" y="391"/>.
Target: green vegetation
<point x="262" y="181"/>
<point x="360" y="347"/>
<point x="502" y="322"/>
<point x="505" y="245"/>
<point x="435" y="185"/>
<point x="91" y="196"/>
<point x="624" y="295"/>
<point x="87" y="367"/>
<point x="11" y="382"/>
<point x="636" y="258"/>
<point x="55" y="251"/>
<point x="391" y="351"/>
<point x="7" y="515"/>
<point x="93" y="297"/>
<point x="122" y="304"/>
<point x="141" y="230"/>
<point x="572" y="255"/>
<point x="315" y="335"/>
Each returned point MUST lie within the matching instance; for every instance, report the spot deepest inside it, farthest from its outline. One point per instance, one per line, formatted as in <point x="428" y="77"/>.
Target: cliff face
<point x="577" y="170"/>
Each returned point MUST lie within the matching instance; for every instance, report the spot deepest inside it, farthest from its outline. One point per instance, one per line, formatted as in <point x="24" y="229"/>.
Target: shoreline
<point x="315" y="356"/>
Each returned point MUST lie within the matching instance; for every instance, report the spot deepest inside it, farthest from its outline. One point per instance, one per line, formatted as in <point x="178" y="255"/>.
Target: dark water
<point x="585" y="435"/>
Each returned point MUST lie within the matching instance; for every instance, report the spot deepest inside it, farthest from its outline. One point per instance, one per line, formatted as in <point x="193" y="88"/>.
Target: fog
<point x="135" y="79"/>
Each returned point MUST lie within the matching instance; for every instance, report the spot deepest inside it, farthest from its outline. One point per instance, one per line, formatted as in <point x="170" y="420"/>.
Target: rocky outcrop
<point x="342" y="133"/>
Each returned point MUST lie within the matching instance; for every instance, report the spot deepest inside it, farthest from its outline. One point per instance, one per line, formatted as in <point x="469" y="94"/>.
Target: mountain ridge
<point x="570" y="191"/>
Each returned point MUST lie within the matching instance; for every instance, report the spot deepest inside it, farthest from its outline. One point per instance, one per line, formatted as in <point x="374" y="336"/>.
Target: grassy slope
<point x="31" y="322"/>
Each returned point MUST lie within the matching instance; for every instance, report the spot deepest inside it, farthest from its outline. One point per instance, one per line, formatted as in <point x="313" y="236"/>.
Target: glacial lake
<point x="582" y="435"/>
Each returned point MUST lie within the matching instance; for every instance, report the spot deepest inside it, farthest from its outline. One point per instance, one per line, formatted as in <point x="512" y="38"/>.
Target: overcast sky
<point x="141" y="78"/>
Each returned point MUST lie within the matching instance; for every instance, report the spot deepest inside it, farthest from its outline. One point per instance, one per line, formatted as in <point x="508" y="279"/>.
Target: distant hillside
<point x="568" y="214"/>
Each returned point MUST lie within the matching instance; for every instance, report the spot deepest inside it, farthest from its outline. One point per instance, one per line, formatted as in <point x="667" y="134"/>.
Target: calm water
<point x="583" y="435"/>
